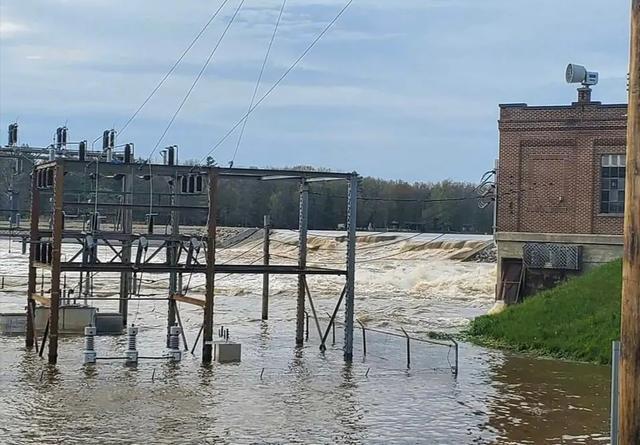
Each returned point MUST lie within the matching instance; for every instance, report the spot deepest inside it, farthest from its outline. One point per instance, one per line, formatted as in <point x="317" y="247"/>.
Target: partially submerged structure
<point x="72" y="191"/>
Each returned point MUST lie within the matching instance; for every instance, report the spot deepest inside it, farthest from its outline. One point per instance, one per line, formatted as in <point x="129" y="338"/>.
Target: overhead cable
<point x="173" y="67"/>
<point x="275" y="85"/>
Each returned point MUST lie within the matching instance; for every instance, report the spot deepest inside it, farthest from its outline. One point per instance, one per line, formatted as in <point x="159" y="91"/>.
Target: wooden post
<point x="172" y="251"/>
<point x="127" y="228"/>
<point x="630" y="325"/>
<point x="56" y="251"/>
<point x="265" y="276"/>
<point x="207" y="339"/>
<point x="33" y="245"/>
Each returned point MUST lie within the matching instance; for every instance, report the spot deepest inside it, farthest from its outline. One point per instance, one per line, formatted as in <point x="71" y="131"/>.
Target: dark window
<point x="612" y="173"/>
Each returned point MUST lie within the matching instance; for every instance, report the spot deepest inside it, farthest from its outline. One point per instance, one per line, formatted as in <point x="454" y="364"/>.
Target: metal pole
<point x="56" y="251"/>
<point x="33" y="245"/>
<point x="195" y="343"/>
<point x="313" y="310"/>
<point x="306" y="326"/>
<point x="352" y="212"/>
<point x="615" y="391"/>
<point x="332" y="323"/>
<point x="302" y="260"/>
<point x="630" y="328"/>
<point x="207" y="340"/>
<point x="44" y="338"/>
<point x="364" y="338"/>
<point x="265" y="276"/>
<point x="184" y="336"/>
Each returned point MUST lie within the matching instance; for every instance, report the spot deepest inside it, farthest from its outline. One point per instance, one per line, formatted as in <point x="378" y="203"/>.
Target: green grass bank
<point x="577" y="320"/>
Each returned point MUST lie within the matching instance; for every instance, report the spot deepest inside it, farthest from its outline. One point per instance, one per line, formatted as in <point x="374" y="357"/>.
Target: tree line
<point x="443" y="206"/>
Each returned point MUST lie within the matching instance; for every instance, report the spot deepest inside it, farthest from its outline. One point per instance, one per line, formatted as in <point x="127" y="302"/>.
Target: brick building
<point x="560" y="192"/>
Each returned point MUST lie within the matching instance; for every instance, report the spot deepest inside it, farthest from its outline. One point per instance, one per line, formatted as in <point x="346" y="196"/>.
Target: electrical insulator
<point x="61" y="137"/>
<point x="89" y="345"/>
<point x="131" y="353"/>
<point x="82" y="150"/>
<point x="13" y="134"/>
<point x="174" y="353"/>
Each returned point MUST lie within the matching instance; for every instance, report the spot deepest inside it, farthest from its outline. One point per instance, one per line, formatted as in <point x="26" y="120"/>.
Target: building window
<point x="612" y="174"/>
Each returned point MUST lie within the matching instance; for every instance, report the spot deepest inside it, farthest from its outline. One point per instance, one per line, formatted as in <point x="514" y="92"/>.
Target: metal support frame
<point x="302" y="259"/>
<point x="172" y="253"/>
<point x="352" y="212"/>
<point x="45" y="246"/>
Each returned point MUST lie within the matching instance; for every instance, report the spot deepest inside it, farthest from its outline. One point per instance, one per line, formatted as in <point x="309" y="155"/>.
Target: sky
<point x="403" y="89"/>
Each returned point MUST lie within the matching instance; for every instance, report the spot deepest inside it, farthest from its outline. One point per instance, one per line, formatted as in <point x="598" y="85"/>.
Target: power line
<point x="173" y="67"/>
<point x="275" y="85"/>
<point x="378" y="198"/>
<point x="255" y="90"/>
<point x="195" y="82"/>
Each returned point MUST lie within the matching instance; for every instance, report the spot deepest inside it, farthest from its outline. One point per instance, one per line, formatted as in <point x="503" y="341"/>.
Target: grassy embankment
<point x="578" y="320"/>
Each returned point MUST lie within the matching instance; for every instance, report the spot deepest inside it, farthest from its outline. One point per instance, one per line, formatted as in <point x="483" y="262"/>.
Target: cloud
<point x="9" y="29"/>
<point x="392" y="80"/>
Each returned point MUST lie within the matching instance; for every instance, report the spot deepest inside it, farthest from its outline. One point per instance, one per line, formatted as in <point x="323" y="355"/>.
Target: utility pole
<point x="630" y="325"/>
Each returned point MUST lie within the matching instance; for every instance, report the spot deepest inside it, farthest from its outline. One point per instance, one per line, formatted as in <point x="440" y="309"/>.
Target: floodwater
<point x="283" y="394"/>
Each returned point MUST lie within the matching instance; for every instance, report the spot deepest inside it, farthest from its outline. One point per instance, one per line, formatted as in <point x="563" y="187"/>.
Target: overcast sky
<point x="405" y="89"/>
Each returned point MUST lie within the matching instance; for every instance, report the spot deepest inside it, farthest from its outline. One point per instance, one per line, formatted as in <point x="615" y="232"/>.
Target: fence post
<point x="265" y="276"/>
<point x="615" y="370"/>
<point x="364" y="338"/>
<point x="408" y="348"/>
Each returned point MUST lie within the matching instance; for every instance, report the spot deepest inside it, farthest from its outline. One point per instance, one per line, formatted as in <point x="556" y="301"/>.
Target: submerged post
<point x="33" y="245"/>
<point x="265" y="276"/>
<point x="56" y="250"/>
<point x="302" y="260"/>
<point x="207" y="330"/>
<point x="352" y="212"/>
<point x="630" y="328"/>
<point x="408" y="347"/>
<point x="172" y="251"/>
<point x="615" y="391"/>
<point x="127" y="229"/>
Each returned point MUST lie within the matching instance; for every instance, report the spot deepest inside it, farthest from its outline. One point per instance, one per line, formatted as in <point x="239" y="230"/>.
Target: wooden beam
<point x="44" y="301"/>
<point x="188" y="300"/>
<point x="630" y="327"/>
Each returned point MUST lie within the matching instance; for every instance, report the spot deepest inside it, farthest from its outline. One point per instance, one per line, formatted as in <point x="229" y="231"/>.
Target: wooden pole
<point x="127" y="228"/>
<point x="56" y="252"/>
<point x="630" y="325"/>
<point x="33" y="245"/>
<point x="265" y="276"/>
<point x="207" y="330"/>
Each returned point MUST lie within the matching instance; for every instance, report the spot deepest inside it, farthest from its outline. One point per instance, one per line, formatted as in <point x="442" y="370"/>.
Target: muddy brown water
<point x="283" y="394"/>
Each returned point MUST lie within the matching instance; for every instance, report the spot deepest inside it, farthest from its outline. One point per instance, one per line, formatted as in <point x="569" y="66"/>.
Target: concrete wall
<point x="596" y="250"/>
<point x="71" y="319"/>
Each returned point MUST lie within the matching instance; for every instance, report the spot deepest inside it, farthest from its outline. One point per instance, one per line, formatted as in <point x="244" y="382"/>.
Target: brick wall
<point x="549" y="167"/>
